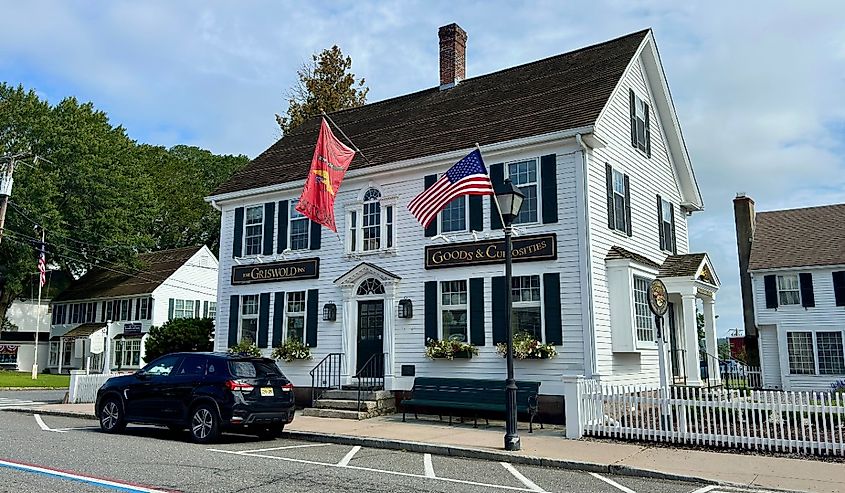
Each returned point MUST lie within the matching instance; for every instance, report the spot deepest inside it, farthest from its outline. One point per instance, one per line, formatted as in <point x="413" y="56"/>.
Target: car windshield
<point x="253" y="368"/>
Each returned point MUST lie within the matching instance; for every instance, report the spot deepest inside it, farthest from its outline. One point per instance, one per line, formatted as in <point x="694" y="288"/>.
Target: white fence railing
<point x="83" y="388"/>
<point x="794" y="422"/>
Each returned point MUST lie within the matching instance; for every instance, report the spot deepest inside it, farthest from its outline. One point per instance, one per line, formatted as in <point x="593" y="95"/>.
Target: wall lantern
<point x="406" y="308"/>
<point x="330" y="312"/>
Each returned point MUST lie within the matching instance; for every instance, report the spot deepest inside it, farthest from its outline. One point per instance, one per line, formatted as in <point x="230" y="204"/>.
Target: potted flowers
<point x="449" y="349"/>
<point x="245" y="347"/>
<point x="526" y="346"/>
<point x="290" y="350"/>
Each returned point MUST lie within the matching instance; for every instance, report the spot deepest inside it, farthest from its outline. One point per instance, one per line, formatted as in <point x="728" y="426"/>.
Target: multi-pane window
<point x="831" y="357"/>
<point x="249" y="317"/>
<point x="143" y="309"/>
<point x="254" y="230"/>
<point x="376" y="228"/>
<point x="299" y="225"/>
<point x="295" y="316"/>
<point x="524" y="175"/>
<point x="54" y="354"/>
<point x="453" y="310"/>
<point x="667" y="233"/>
<point x="67" y="349"/>
<point x="640" y="124"/>
<point x="212" y="309"/>
<point x="525" y="291"/>
<point x="642" y="314"/>
<point x="788" y="289"/>
<point x="799" y="346"/>
<point x="454" y="216"/>
<point x="620" y="218"/>
<point x="353" y="231"/>
<point x="127" y="353"/>
<point x="124" y="309"/>
<point x="77" y="313"/>
<point x="59" y="314"/>
<point x="372" y="220"/>
<point x="183" y="308"/>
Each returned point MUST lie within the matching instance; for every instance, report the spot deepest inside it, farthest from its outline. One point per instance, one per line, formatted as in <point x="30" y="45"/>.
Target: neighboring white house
<point x="797" y="271"/>
<point x="108" y="312"/>
<point x="591" y="137"/>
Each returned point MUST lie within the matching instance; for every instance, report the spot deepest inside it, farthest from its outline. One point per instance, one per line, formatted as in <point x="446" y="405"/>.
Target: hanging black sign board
<point x="292" y="270"/>
<point x="525" y="249"/>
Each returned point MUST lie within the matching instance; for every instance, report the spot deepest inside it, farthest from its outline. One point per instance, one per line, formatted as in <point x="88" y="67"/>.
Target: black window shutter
<point x="551" y="308"/>
<point x="149" y="308"/>
<point x="497" y="177"/>
<point x="430" y="310"/>
<point x="102" y="312"/>
<point x="263" y="319"/>
<point x="608" y="172"/>
<point x="499" y="299"/>
<point x="204" y="309"/>
<point x="282" y="239"/>
<point x="628" y="205"/>
<point x="770" y="285"/>
<point x="839" y="287"/>
<point x="476" y="311"/>
<point x="476" y="213"/>
<point x="238" y="233"/>
<point x="197" y="309"/>
<point x="548" y="179"/>
<point x="633" y="102"/>
<point x="169" y="309"/>
<point x="660" y="231"/>
<point x="647" y="134"/>
<point x="311" y="318"/>
<point x="278" y="316"/>
<point x="315" y="237"/>
<point x="431" y="229"/>
<point x="808" y="298"/>
<point x="234" y="312"/>
<point x="674" y="237"/>
<point x="269" y="212"/>
<point x="138" y="308"/>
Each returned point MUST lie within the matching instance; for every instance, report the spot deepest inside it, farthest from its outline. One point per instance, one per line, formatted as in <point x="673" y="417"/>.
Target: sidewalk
<point x="548" y="447"/>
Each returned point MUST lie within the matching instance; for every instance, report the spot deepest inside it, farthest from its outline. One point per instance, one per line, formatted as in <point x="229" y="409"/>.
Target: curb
<point x="49" y="412"/>
<point x="31" y="388"/>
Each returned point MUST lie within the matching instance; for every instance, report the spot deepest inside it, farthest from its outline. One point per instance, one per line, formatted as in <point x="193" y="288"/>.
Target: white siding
<point x="825" y="316"/>
<point x="195" y="280"/>
<point x="407" y="262"/>
<point x="648" y="177"/>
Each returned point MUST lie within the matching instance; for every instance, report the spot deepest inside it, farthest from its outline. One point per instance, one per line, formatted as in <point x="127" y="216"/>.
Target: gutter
<point x="590" y="351"/>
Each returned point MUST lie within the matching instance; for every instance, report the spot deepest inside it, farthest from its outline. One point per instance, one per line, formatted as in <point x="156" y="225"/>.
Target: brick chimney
<point x="744" y="218"/>
<point x="453" y="51"/>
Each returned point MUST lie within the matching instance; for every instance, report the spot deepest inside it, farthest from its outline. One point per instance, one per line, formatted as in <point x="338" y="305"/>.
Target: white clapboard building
<point x="592" y="139"/>
<point x="108" y="312"/>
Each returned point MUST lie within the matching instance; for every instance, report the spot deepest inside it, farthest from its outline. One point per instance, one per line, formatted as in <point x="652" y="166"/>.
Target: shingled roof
<point x="619" y="253"/>
<point x="681" y="265"/>
<point x="805" y="237"/>
<point x="558" y="93"/>
<point x="155" y="268"/>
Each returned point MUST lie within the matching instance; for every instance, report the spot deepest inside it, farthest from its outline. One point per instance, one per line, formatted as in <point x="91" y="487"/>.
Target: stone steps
<point x="353" y="395"/>
<point x="334" y="413"/>
<point x="343" y="404"/>
<point x="351" y="405"/>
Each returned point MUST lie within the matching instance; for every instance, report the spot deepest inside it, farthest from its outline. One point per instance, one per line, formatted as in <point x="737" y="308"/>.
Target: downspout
<point x="590" y="351"/>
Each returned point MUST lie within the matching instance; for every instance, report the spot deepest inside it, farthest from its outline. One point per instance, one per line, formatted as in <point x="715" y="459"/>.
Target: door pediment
<point x="365" y="270"/>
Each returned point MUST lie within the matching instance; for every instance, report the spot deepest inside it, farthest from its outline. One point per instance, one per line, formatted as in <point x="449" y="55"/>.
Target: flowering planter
<point x="458" y="355"/>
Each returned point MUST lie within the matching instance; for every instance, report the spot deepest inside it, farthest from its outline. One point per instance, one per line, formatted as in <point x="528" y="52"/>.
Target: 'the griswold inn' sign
<point x="524" y="249"/>
<point x="276" y="271"/>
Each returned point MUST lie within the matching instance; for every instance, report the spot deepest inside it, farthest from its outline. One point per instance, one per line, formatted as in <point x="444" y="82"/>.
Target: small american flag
<point x="467" y="177"/>
<point x="42" y="265"/>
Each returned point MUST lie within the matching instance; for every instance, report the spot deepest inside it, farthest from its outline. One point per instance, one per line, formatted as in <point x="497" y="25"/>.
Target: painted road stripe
<point x="44" y="426"/>
<point x="369" y="469"/>
<point x="285" y="448"/>
<point x="612" y="483"/>
<point x="518" y="475"/>
<point x="348" y="457"/>
<point x="429" y="467"/>
<point x="58" y="473"/>
<point x="706" y="489"/>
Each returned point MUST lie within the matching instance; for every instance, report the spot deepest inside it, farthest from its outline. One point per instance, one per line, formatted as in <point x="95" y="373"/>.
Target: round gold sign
<point x="658" y="300"/>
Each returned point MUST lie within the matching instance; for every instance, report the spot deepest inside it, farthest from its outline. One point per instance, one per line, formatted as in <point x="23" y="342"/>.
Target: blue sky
<point x="758" y="86"/>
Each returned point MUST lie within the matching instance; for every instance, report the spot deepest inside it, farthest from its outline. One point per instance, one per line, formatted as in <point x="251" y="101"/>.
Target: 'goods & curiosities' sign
<point x="524" y="249"/>
<point x="292" y="270"/>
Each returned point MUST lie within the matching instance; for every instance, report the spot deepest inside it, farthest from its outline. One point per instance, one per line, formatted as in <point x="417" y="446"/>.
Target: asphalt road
<point x="48" y="396"/>
<point x="63" y="454"/>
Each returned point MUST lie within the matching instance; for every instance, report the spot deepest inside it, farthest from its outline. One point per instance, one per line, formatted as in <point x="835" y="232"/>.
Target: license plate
<point x="266" y="392"/>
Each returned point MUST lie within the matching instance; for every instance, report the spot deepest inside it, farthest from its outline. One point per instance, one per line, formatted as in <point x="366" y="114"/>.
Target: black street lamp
<point x="509" y="199"/>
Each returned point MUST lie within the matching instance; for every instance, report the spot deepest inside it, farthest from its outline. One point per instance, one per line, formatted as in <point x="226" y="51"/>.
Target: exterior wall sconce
<point x="329" y="312"/>
<point x="406" y="308"/>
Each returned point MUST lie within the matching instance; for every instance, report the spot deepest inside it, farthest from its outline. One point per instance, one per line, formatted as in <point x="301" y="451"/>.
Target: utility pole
<point x="6" y="180"/>
<point x="42" y="272"/>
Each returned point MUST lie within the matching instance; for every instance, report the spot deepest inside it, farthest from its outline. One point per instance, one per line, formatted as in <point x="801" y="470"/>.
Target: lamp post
<point x="509" y="200"/>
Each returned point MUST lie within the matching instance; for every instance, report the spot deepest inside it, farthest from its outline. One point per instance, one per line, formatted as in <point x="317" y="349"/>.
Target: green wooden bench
<point x="467" y="397"/>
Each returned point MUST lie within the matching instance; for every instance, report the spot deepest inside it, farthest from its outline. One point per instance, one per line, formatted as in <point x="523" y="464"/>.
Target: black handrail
<point x="371" y="375"/>
<point x="326" y="375"/>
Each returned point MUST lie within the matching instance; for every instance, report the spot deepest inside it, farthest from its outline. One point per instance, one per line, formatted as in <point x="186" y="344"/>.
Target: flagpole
<point x="327" y="117"/>
<point x="478" y="147"/>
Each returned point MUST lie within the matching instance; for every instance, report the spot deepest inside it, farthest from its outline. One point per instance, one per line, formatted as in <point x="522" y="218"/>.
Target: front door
<point x="676" y="356"/>
<point x="371" y="335"/>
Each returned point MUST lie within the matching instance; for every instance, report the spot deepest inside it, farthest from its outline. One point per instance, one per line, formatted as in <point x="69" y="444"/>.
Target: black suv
<point x="204" y="392"/>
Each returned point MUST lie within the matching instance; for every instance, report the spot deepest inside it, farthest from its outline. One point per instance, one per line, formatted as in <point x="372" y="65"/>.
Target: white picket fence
<point x="83" y="388"/>
<point x="794" y="422"/>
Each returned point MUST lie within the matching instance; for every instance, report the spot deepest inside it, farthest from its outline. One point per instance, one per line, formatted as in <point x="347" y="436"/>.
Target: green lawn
<point x="24" y="379"/>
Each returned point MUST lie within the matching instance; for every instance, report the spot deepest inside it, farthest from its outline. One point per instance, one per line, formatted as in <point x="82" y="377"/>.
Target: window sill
<point x="387" y="252"/>
<point x="623" y="234"/>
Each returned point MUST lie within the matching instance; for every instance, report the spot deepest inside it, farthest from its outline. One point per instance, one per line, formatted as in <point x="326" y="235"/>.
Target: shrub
<point x="180" y="334"/>
<point x="838" y="386"/>
<point x="290" y="350"/>
<point x="525" y="346"/>
<point x="448" y="348"/>
<point x="245" y="347"/>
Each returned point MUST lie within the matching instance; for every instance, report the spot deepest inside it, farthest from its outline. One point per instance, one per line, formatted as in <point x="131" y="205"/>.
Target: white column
<point x="690" y="340"/>
<point x="61" y="352"/>
<point x="710" y="340"/>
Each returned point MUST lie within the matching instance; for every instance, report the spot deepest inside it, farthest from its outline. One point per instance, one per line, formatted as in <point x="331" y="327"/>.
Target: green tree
<point x="178" y="335"/>
<point x="325" y="83"/>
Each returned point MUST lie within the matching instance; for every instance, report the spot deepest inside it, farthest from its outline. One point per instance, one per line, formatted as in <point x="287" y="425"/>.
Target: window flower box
<point x="525" y="346"/>
<point x="291" y="350"/>
<point x="449" y="349"/>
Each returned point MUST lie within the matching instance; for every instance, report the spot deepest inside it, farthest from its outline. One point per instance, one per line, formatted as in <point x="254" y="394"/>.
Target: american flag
<point x="42" y="265"/>
<point x="467" y="177"/>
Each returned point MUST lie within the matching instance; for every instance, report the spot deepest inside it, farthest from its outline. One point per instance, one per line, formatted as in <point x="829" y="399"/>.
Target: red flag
<point x="328" y="166"/>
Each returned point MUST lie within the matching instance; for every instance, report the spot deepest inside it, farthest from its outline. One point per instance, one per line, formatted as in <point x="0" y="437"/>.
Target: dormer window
<point x="370" y="224"/>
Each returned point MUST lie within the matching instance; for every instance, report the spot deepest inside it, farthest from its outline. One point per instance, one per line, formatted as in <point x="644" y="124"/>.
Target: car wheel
<point x="205" y="424"/>
<point x="271" y="432"/>
<point x="111" y="416"/>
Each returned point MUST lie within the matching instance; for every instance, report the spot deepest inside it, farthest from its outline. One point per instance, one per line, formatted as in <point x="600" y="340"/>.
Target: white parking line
<point x="429" y="467"/>
<point x="612" y="483"/>
<point x="44" y="426"/>
<point x="518" y="475"/>
<point x="706" y="489"/>
<point x="369" y="469"/>
<point x="285" y="448"/>
<point x="348" y="457"/>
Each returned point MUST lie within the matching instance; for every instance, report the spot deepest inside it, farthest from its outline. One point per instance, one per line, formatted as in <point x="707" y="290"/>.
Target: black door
<point x="676" y="357"/>
<point x="370" y="336"/>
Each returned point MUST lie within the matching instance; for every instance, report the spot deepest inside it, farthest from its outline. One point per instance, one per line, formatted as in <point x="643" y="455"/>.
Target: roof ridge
<point x="794" y="209"/>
